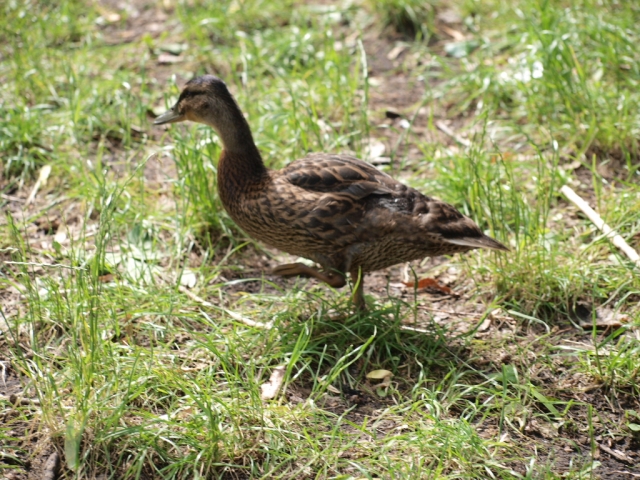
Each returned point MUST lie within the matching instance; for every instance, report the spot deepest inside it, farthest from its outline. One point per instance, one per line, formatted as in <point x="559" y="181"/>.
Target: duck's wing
<point x="339" y="174"/>
<point x="358" y="202"/>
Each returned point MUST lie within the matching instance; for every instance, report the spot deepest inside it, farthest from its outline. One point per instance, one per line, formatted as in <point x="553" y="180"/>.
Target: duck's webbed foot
<point x="332" y="278"/>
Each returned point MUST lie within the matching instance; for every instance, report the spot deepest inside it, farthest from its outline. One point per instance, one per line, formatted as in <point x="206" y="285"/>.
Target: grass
<point x="411" y="18"/>
<point x="531" y="372"/>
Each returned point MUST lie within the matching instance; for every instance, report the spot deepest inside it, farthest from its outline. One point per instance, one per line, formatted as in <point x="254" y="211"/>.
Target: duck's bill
<point x="170" y="116"/>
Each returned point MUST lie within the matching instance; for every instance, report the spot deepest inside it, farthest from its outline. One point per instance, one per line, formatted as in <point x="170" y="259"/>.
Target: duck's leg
<point x="332" y="278"/>
<point x="357" y="277"/>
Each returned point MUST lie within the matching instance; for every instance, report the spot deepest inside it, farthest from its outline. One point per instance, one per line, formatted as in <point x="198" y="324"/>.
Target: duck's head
<point x="204" y="99"/>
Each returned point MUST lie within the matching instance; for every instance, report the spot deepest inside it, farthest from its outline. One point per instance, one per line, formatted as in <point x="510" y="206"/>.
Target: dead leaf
<point x="604" y="317"/>
<point x="453" y="33"/>
<point x="270" y="389"/>
<point x="379" y="374"/>
<point x="51" y="467"/>
<point x="431" y="283"/>
<point x="188" y="278"/>
<point x="485" y="324"/>
<point x="332" y="389"/>
<point x="385" y="376"/>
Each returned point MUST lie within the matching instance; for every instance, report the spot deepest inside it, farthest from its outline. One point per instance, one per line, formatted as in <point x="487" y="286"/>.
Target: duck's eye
<point x="187" y="94"/>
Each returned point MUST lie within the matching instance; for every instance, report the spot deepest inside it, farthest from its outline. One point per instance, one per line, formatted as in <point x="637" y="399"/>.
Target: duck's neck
<point x="240" y="168"/>
<point x="235" y="134"/>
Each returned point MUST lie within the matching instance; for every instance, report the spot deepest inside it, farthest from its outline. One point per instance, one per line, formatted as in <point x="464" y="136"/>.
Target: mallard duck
<point x="336" y="210"/>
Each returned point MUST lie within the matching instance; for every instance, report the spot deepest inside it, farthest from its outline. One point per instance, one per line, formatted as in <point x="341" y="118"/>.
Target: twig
<point x="234" y="315"/>
<point x="11" y="198"/>
<point x="42" y="179"/>
<point x="414" y="329"/>
<point x="195" y="297"/>
<point x="447" y="131"/>
<point x="45" y="265"/>
<point x="616" y="453"/>
<point x="634" y="475"/>
<point x="616" y="239"/>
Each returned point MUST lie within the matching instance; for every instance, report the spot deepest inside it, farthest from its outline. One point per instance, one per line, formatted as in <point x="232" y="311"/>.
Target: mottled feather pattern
<point x="340" y="208"/>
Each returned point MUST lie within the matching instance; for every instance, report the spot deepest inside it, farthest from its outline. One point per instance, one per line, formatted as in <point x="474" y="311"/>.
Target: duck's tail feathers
<point x="478" y="242"/>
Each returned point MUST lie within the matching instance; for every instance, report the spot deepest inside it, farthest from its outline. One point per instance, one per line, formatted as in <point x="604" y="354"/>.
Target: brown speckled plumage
<point x="336" y="210"/>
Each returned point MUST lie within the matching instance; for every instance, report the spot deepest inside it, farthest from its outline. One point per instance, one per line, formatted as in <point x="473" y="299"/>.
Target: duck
<point x="338" y="211"/>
